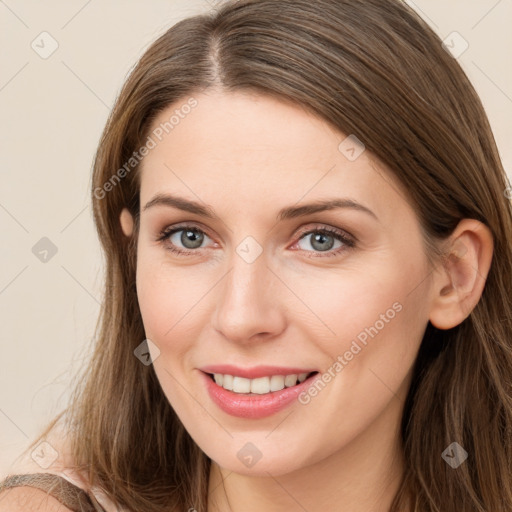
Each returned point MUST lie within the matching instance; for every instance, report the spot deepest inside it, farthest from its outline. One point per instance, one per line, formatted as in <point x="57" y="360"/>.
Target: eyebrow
<point x="290" y="212"/>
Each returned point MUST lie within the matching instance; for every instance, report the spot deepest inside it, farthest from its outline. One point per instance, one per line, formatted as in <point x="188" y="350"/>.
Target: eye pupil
<point x="191" y="239"/>
<point x="319" y="241"/>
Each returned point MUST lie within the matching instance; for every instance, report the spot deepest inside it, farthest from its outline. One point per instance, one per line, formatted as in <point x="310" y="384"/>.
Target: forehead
<point x="245" y="147"/>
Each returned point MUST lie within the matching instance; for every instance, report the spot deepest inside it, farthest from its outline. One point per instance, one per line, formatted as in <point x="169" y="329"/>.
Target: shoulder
<point x="52" y="456"/>
<point x="29" y="499"/>
<point x="52" y="453"/>
<point x="63" y="466"/>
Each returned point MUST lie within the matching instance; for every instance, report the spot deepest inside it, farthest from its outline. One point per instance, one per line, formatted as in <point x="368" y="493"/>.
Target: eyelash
<point x="348" y="242"/>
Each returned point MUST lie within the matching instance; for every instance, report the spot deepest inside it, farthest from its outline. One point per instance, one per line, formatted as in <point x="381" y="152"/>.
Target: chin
<point x="258" y="455"/>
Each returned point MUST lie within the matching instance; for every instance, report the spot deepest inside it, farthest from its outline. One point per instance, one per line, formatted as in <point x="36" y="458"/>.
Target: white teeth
<point x="276" y="382"/>
<point x="241" y="385"/>
<point x="227" y="382"/>
<point x="290" y="380"/>
<point x="259" y="386"/>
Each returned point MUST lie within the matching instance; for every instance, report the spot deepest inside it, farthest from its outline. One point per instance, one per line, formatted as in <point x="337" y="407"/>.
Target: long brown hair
<point x="372" y="68"/>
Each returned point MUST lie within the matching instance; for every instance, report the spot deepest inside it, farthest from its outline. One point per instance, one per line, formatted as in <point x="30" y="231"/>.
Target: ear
<point x="126" y="220"/>
<point x="458" y="286"/>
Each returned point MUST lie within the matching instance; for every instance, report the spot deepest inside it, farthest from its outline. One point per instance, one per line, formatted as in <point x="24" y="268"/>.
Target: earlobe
<point x="126" y="220"/>
<point x="459" y="284"/>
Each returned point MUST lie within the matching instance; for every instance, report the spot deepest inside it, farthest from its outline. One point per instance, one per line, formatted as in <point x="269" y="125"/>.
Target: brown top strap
<point x="58" y="487"/>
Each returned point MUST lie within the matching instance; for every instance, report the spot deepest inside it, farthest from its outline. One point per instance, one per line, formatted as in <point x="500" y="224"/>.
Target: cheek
<point x="379" y="327"/>
<point x="369" y="317"/>
<point x="171" y="302"/>
<point x="343" y="306"/>
<point x="156" y="302"/>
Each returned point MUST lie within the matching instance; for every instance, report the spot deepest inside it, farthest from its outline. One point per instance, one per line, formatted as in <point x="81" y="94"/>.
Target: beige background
<point x="53" y="111"/>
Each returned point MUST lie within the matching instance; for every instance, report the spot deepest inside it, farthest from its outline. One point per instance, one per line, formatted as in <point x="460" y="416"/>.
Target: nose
<point x="250" y="305"/>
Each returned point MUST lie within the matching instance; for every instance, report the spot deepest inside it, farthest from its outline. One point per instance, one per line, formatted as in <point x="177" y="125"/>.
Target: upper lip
<point x="254" y="372"/>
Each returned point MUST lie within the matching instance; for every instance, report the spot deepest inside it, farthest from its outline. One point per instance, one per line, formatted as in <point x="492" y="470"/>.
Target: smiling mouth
<point x="260" y="385"/>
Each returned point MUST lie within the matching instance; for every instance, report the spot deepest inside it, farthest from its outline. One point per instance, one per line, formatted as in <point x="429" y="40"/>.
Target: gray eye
<point x="319" y="241"/>
<point x="189" y="238"/>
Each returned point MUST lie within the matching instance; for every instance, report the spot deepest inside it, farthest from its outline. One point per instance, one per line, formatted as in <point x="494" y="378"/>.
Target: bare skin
<point x="246" y="157"/>
<point x="297" y="304"/>
<point x="29" y="498"/>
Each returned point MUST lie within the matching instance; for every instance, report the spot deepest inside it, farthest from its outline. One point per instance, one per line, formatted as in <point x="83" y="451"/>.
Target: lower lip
<point x="254" y="406"/>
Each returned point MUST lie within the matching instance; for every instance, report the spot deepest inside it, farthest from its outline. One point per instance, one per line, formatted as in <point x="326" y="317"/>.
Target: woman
<point x="307" y="303"/>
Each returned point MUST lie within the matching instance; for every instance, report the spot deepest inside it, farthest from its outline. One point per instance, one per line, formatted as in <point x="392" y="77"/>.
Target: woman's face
<point x="246" y="274"/>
